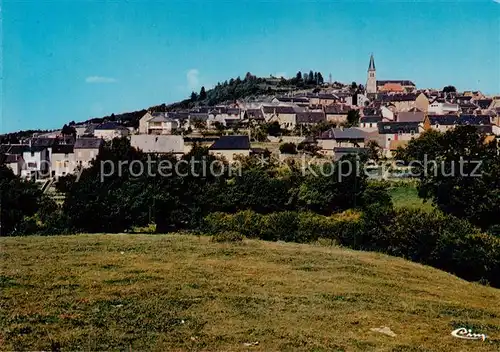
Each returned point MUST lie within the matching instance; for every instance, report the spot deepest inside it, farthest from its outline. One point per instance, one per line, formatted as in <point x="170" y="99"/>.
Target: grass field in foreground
<point x="185" y="293"/>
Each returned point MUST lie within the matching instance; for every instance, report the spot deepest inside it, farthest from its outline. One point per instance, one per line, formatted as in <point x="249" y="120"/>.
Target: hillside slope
<point x="172" y="292"/>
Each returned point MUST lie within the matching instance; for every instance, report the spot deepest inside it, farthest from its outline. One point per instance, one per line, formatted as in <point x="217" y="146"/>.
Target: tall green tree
<point x="459" y="172"/>
<point x="203" y="94"/>
<point x="194" y="96"/>
<point x="449" y="89"/>
<point x="310" y="77"/>
<point x="320" y="79"/>
<point x="18" y="200"/>
<point x="352" y="118"/>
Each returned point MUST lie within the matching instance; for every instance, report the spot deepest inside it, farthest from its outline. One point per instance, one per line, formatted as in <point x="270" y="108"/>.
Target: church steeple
<point x="371" y="67"/>
<point x="371" y="82"/>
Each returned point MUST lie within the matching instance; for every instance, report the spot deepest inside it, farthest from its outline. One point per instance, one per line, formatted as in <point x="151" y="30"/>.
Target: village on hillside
<point x="329" y="121"/>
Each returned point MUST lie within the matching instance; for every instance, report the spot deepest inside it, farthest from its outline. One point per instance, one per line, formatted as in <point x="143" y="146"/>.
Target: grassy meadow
<point x="406" y="195"/>
<point x="186" y="293"/>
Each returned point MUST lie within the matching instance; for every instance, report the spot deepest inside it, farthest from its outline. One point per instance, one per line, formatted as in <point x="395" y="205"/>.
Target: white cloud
<point x="497" y="1"/>
<point x="100" y="79"/>
<point x="193" y="80"/>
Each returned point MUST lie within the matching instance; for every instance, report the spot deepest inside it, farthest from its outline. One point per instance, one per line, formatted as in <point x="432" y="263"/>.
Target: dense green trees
<point x="19" y="200"/>
<point x="125" y="188"/>
<point x="460" y="172"/>
<point x="449" y="89"/>
<point x="68" y="131"/>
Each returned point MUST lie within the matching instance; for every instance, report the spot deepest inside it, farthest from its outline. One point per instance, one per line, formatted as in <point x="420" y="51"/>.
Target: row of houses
<point x="392" y="134"/>
<point x="293" y="111"/>
<point x="45" y="158"/>
<point x="48" y="158"/>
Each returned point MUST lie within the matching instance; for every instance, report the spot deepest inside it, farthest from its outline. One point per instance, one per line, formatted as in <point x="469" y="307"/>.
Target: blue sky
<point x="72" y="60"/>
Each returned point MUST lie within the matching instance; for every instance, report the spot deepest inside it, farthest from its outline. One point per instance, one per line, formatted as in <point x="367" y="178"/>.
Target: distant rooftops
<point x="402" y="82"/>
<point x="344" y="133"/>
<point x="109" y="126"/>
<point x="88" y="143"/>
<point x="397" y="127"/>
<point x="279" y="109"/>
<point x="311" y="117"/>
<point x="159" y="144"/>
<point x="231" y="143"/>
<point x="415" y="116"/>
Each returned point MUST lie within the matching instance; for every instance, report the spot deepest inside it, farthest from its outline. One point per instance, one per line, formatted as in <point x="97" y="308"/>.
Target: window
<point x="400" y="132"/>
<point x="412" y="132"/>
<point x="66" y="155"/>
<point x="32" y="154"/>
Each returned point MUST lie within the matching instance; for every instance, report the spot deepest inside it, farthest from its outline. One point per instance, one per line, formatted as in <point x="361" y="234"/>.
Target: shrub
<point x="288" y="148"/>
<point x="227" y="236"/>
<point x="280" y="226"/>
<point x="248" y="223"/>
<point x="473" y="257"/>
<point x="416" y="233"/>
<point x="149" y="229"/>
<point x="217" y="222"/>
<point x="311" y="227"/>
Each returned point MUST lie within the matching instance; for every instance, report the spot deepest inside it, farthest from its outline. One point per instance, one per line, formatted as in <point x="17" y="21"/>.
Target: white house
<point x="86" y="149"/>
<point x="37" y="160"/>
<point x="369" y="123"/>
<point x="14" y="162"/>
<point x="158" y="144"/>
<point x="440" y="107"/>
<point x="157" y="123"/>
<point x="63" y="160"/>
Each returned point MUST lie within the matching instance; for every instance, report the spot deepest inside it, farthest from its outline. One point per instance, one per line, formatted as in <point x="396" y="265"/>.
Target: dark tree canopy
<point x="449" y="89"/>
<point x="352" y="118"/>
<point x="203" y="94"/>
<point x="459" y="172"/>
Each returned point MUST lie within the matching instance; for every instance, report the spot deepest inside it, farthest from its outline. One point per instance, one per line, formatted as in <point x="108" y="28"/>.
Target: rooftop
<point x="159" y="144"/>
<point x="231" y="143"/>
<point x="88" y="143"/>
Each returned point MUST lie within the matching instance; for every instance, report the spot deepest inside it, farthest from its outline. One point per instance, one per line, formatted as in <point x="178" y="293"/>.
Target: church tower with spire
<point x="371" y="82"/>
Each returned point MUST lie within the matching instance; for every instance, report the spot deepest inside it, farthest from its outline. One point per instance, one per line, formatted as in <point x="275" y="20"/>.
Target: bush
<point x="248" y="223"/>
<point x="313" y="227"/>
<point x="215" y="223"/>
<point x="475" y="257"/>
<point x="416" y="233"/>
<point x="281" y="226"/>
<point x="288" y="148"/>
<point x="227" y="236"/>
<point x="149" y="229"/>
